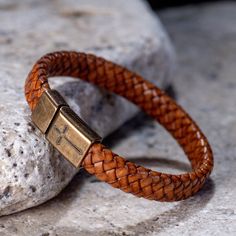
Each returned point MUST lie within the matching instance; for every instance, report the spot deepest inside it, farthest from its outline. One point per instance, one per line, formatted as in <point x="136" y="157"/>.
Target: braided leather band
<point x="101" y="161"/>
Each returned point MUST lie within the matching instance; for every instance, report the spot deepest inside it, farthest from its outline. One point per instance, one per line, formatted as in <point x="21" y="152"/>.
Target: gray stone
<point x="205" y="86"/>
<point x="31" y="172"/>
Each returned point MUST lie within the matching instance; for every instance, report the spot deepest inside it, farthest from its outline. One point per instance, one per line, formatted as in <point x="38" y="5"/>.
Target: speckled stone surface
<point x="205" y="85"/>
<point x="30" y="170"/>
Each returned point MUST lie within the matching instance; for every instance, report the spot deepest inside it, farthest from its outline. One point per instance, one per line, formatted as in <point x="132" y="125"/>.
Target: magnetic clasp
<point x="69" y="134"/>
<point x="46" y="108"/>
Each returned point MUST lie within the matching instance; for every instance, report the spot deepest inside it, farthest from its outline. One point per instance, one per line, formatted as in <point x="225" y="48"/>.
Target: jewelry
<point x="81" y="146"/>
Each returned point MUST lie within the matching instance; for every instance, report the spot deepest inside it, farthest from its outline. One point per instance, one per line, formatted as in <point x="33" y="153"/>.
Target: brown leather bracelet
<point x="81" y="145"/>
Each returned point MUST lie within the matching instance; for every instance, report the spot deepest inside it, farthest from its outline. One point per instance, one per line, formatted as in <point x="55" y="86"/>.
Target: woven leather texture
<point x="102" y="162"/>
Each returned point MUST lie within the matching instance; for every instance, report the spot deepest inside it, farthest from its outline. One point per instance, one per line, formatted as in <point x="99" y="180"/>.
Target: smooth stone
<point x="31" y="172"/>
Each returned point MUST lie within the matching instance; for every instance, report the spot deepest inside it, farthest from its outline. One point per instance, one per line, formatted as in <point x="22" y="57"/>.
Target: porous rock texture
<point x="206" y="87"/>
<point x="127" y="32"/>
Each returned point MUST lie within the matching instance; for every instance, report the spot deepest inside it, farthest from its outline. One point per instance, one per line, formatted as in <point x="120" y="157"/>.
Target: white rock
<point x="31" y="172"/>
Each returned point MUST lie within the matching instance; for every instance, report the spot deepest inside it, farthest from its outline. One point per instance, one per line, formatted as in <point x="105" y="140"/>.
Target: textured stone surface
<point x="205" y="86"/>
<point x="30" y="171"/>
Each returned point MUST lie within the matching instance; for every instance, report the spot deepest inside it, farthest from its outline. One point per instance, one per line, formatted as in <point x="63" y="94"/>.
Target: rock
<point x="31" y="172"/>
<point x="205" y="85"/>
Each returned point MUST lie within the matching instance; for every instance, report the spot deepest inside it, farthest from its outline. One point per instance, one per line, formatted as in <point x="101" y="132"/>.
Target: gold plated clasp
<point x="68" y="133"/>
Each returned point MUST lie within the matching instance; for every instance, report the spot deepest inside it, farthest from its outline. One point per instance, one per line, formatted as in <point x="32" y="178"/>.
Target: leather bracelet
<point x="82" y="147"/>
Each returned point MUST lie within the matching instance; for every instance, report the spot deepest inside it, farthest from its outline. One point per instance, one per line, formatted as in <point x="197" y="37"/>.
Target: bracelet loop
<point x="99" y="160"/>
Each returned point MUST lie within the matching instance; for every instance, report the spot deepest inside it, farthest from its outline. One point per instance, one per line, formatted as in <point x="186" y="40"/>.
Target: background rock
<point x="30" y="171"/>
<point x="205" y="85"/>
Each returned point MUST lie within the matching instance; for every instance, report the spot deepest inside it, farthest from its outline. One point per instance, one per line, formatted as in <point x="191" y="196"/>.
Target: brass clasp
<point x="69" y="134"/>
